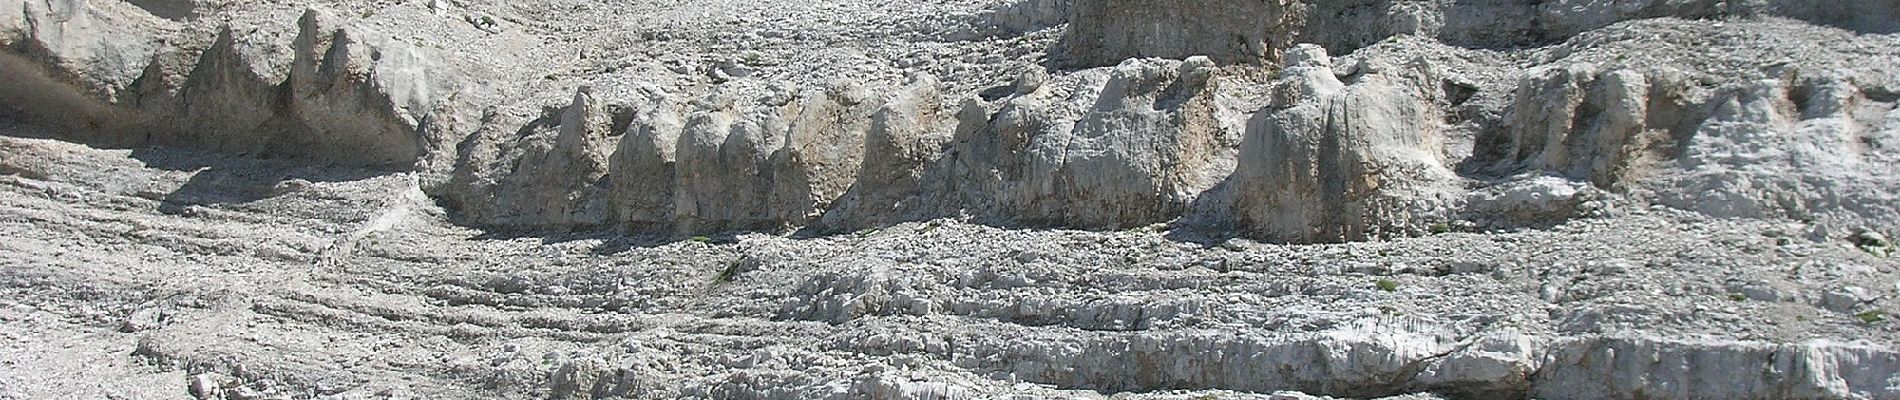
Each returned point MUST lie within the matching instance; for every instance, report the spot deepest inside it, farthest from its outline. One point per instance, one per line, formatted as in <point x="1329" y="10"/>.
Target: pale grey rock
<point x="1105" y="32"/>
<point x="1023" y="16"/>
<point x="906" y="135"/>
<point x="1845" y="299"/>
<point x="724" y="155"/>
<point x="1611" y="368"/>
<point x="143" y="320"/>
<point x="1133" y="156"/>
<point x="1515" y="112"/>
<point x="12" y="21"/>
<point x="1552" y="132"/>
<point x="1496" y="364"/>
<point x="1762" y="291"/>
<point x="643" y="168"/>
<point x="360" y="99"/>
<point x="1533" y="200"/>
<point x="348" y="96"/>
<point x="207" y="386"/>
<point x="1333" y="162"/>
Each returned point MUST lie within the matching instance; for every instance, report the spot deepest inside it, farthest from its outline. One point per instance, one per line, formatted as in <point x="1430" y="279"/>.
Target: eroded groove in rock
<point x="116" y="74"/>
<point x="908" y="199"/>
<point x="1144" y="141"/>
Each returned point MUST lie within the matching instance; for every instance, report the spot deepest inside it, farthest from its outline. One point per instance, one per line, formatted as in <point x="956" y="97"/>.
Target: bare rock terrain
<point x="1283" y="199"/>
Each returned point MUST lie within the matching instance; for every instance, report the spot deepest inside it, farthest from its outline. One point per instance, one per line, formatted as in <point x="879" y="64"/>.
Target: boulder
<point x="1334" y="162"/>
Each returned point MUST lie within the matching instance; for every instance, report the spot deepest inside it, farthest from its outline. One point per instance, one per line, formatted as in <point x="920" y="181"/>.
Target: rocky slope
<point x="503" y="192"/>
<point x="1275" y="141"/>
<point x="168" y="274"/>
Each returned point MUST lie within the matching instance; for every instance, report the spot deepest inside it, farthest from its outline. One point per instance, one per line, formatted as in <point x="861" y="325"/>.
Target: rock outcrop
<point x="918" y="199"/>
<point x="1103" y="32"/>
<point x="1798" y="146"/>
<point x="102" y="68"/>
<point x="1328" y="161"/>
<point x="1172" y="118"/>
<point x="1130" y="148"/>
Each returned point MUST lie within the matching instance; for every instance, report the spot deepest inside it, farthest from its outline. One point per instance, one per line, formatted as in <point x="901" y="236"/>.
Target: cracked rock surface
<point x="1126" y="199"/>
<point x="170" y="272"/>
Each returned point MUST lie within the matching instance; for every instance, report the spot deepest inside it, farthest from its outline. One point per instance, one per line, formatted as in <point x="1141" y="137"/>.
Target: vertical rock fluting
<point x="559" y="178"/>
<point x="99" y="68"/>
<point x="1579" y="122"/>
<point x="1776" y="148"/>
<point x="1339" y="155"/>
<point x="1332" y="162"/>
<point x="1132" y="145"/>
<point x="71" y="64"/>
<point x="358" y="100"/>
<point x="824" y="150"/>
<point x="1132" y="148"/>
<point x="1132" y="157"/>
<point x="712" y="164"/>
<point x="644" y="165"/>
<point x="1105" y="32"/>
<point x="906" y="135"/>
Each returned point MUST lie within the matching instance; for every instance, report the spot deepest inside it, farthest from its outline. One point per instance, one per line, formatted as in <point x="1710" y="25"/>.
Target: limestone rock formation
<point x="1330" y="161"/>
<point x="1104" y="32"/>
<point x="916" y="199"/>
<point x="101" y="67"/>
<point x="1130" y="152"/>
<point x="906" y="137"/>
<point x="1754" y="149"/>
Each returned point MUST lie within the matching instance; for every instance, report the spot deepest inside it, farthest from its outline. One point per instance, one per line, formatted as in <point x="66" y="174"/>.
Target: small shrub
<point x="1874" y="244"/>
<point x="1441" y="228"/>
<point x="1737" y="297"/>
<point x="1872" y="316"/>
<point x="702" y="239"/>
<point x="1388" y="285"/>
<point x="727" y="275"/>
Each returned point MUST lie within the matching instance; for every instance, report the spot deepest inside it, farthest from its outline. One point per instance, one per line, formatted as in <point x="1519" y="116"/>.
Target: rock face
<point x="1622" y="368"/>
<point x="1104" y="32"/>
<point x="1204" y="115"/>
<point x="922" y="199"/>
<point x="1758" y="149"/>
<point x="347" y="96"/>
<point x="1329" y="161"/>
<point x="1126" y="149"/>
<point x="1129" y="149"/>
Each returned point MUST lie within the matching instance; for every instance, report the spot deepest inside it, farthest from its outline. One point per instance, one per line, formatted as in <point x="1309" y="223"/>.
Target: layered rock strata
<point x="1309" y="147"/>
<point x="101" y="68"/>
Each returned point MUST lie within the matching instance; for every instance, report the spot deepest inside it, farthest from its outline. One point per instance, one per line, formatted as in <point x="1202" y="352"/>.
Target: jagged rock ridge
<point x="1715" y="178"/>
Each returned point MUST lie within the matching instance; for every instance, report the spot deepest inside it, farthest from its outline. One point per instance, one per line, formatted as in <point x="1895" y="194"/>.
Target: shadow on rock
<point x="224" y="180"/>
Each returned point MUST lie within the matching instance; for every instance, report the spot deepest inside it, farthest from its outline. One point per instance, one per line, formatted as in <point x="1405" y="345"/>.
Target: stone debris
<point x="1129" y="199"/>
